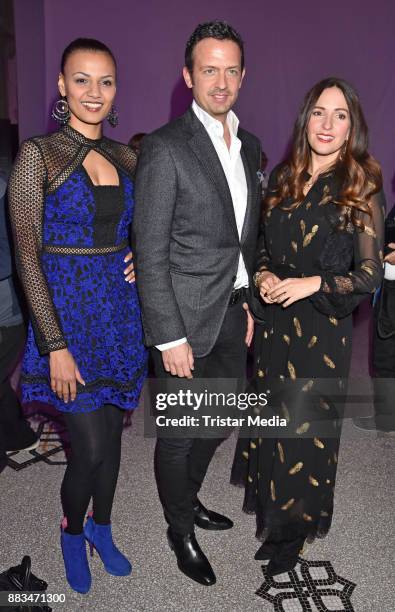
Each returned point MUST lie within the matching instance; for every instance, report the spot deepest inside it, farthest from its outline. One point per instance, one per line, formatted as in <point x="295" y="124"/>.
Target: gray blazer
<point x="185" y="240"/>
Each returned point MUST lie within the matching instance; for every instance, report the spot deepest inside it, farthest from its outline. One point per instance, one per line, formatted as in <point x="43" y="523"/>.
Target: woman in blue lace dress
<point x="71" y="206"/>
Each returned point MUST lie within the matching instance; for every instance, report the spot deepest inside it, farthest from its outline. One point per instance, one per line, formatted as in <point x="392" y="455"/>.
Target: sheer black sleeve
<point x="339" y="294"/>
<point x="26" y="201"/>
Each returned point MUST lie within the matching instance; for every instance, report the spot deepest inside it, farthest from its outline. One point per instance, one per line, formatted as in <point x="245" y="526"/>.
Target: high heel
<point x="100" y="538"/>
<point x="75" y="561"/>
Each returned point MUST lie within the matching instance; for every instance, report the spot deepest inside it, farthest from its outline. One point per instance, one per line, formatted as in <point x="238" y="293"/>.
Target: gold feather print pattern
<point x="286" y="339"/>
<point x="265" y="335"/>
<point x="329" y="362"/>
<point x="308" y="205"/>
<point x="296" y="468"/>
<point x="313" y="481"/>
<point x="344" y="341"/>
<point x="309" y="237"/>
<point x="272" y="490"/>
<point x="298" y="327"/>
<point x="307" y="517"/>
<point x="303" y="428"/>
<point x="261" y="373"/>
<point x="367" y="269"/>
<point x="252" y="444"/>
<point x="333" y="320"/>
<point x="312" y="342"/>
<point x="291" y="370"/>
<point x="288" y="504"/>
<point x="281" y="452"/>
<point x="245" y="455"/>
<point x="318" y="443"/>
<point x="308" y="386"/>
<point x="369" y="231"/>
<point x="250" y="479"/>
<point x="294" y="245"/>
<point x="324" y="404"/>
<point x="285" y="411"/>
<point x="303" y="227"/>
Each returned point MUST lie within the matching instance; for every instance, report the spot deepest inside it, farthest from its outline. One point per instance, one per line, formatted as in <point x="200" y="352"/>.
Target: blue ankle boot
<point x="100" y="537"/>
<point x="75" y="561"/>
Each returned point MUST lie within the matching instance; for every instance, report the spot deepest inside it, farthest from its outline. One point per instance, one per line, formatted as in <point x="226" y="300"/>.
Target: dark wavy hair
<point x="85" y="44"/>
<point x="220" y="30"/>
<point x="358" y="172"/>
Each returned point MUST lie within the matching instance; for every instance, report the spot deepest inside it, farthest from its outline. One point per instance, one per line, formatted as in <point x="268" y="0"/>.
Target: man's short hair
<point x="220" y="30"/>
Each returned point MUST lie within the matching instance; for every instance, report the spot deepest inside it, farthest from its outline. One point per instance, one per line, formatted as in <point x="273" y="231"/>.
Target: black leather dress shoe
<point x="207" y="519"/>
<point x="191" y="560"/>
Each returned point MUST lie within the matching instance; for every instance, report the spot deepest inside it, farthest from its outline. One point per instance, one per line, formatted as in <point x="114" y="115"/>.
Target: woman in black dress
<point x="319" y="255"/>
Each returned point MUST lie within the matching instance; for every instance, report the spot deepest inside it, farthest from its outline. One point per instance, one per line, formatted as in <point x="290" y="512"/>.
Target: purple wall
<point x="30" y="56"/>
<point x="289" y="46"/>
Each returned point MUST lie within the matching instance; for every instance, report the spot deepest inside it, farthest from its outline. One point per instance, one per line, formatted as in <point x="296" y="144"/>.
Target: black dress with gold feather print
<point x="302" y="357"/>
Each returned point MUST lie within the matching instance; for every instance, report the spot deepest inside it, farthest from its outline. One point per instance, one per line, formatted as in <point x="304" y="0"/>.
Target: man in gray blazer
<point x="195" y="226"/>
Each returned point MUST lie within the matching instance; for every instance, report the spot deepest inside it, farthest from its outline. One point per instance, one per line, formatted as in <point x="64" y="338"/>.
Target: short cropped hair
<point x="220" y="30"/>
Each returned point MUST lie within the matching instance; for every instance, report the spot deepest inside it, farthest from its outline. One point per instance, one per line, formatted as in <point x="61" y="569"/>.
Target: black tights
<point x="92" y="470"/>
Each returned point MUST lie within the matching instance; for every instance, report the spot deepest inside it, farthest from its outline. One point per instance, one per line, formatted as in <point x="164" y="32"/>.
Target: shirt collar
<point x="213" y="125"/>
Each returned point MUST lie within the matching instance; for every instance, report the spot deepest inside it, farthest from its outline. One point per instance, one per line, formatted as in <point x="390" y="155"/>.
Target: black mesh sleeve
<point x="26" y="202"/>
<point x="340" y="294"/>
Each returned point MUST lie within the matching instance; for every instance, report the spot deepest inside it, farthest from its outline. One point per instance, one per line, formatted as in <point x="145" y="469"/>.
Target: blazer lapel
<point x="251" y="187"/>
<point x="204" y="150"/>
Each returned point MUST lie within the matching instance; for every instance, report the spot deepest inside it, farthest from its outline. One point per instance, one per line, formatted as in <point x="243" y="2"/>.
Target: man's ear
<point x="61" y="85"/>
<point x="187" y="77"/>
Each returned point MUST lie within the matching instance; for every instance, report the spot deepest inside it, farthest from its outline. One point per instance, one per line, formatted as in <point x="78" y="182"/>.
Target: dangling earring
<point x="61" y="111"/>
<point x="112" y="117"/>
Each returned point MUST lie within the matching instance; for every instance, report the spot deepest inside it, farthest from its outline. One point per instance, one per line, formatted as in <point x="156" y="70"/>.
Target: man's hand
<point x="267" y="280"/>
<point x="129" y="270"/>
<point x="250" y="325"/>
<point x="390" y="257"/>
<point x="64" y="373"/>
<point x="179" y="360"/>
<point x="290" y="290"/>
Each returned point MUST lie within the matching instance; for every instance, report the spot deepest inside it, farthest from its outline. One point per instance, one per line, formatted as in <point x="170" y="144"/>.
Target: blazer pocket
<point x="187" y="289"/>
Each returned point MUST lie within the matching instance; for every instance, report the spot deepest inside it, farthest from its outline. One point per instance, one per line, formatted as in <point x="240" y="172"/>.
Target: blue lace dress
<point x="71" y="238"/>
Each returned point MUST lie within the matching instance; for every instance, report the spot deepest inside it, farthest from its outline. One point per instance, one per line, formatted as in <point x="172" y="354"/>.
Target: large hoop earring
<point x="61" y="111"/>
<point x="112" y="117"/>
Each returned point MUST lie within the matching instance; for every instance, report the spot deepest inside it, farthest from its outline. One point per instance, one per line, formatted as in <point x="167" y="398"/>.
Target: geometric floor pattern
<point x="50" y="450"/>
<point x="313" y="586"/>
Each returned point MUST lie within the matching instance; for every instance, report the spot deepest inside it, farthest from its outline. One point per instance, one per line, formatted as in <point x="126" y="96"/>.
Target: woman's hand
<point x="64" y="373"/>
<point x="290" y="290"/>
<point x="129" y="270"/>
<point x="267" y="281"/>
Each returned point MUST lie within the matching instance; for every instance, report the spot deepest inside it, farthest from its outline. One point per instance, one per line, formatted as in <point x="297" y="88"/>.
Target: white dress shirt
<point x="389" y="271"/>
<point x="233" y="168"/>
